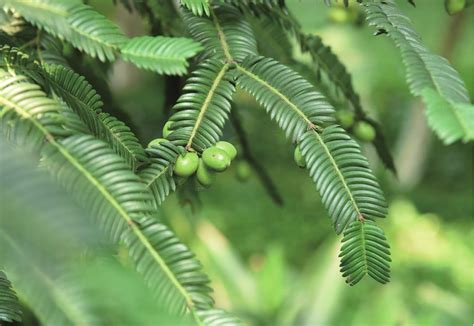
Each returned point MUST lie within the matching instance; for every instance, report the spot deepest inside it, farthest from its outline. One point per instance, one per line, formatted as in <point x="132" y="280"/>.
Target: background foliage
<point x="277" y="264"/>
<point x="267" y="247"/>
<point x="430" y="215"/>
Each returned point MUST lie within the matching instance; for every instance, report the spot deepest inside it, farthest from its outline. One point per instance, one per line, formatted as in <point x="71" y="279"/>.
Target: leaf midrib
<point x="435" y="83"/>
<point x="112" y="201"/>
<point x="95" y="113"/>
<point x="321" y="141"/>
<point x="179" y="57"/>
<point x="339" y="173"/>
<point x="274" y="90"/>
<point x="66" y="15"/>
<point x="157" y="176"/>
<point x="206" y="104"/>
<point x="221" y="36"/>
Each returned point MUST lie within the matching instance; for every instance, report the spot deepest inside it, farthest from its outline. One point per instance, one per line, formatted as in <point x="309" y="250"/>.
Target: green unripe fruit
<point x="243" y="171"/>
<point x="338" y="15"/>
<point x="216" y="159"/>
<point x="364" y="131"/>
<point x="204" y="176"/>
<point x="166" y="129"/>
<point x="228" y="148"/>
<point x="345" y="118"/>
<point x="186" y="164"/>
<point x="299" y="159"/>
<point x="156" y="142"/>
<point x="454" y="6"/>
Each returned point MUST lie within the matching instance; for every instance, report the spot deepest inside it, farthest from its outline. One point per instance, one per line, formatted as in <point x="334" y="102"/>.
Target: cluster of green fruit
<point x="361" y="129"/>
<point x="214" y="159"/>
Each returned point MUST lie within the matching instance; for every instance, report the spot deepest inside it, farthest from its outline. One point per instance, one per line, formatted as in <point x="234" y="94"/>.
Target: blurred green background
<point x="278" y="265"/>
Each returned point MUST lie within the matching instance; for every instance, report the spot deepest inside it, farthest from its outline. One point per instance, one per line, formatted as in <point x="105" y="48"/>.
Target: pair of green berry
<point x="362" y="130"/>
<point x="214" y="159"/>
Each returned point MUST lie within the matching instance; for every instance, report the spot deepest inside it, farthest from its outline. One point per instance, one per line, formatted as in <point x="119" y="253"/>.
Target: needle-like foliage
<point x="342" y="176"/>
<point x="225" y="26"/>
<point x="164" y="55"/>
<point x="203" y="109"/>
<point x="10" y="309"/>
<point x="364" y="251"/>
<point x="47" y="108"/>
<point x="158" y="175"/>
<point x="76" y="91"/>
<point x="198" y="7"/>
<point x="100" y="180"/>
<point x="426" y="70"/>
<point x="91" y="32"/>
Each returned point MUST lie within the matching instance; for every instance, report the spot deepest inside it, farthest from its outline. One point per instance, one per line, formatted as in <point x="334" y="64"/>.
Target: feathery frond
<point x="158" y="174"/>
<point x="35" y="236"/>
<point x="218" y="317"/>
<point x="341" y="173"/>
<point x="26" y="113"/>
<point x="12" y="58"/>
<point x="71" y="121"/>
<point x="91" y="32"/>
<point x="424" y="69"/>
<point x="289" y="99"/>
<point x="50" y="50"/>
<point x="203" y="109"/>
<point x="331" y="74"/>
<point x="76" y="91"/>
<point x="50" y="15"/>
<point x="164" y="55"/>
<point x="55" y="279"/>
<point x="342" y="176"/>
<point x="365" y="251"/>
<point x="10" y="309"/>
<point x="225" y="35"/>
<point x="123" y="199"/>
<point x="74" y="22"/>
<point x="198" y="7"/>
<point x="103" y="183"/>
<point x="125" y="215"/>
<point x="55" y="300"/>
<point x="451" y="121"/>
<point x="11" y="24"/>
<point x="347" y="186"/>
